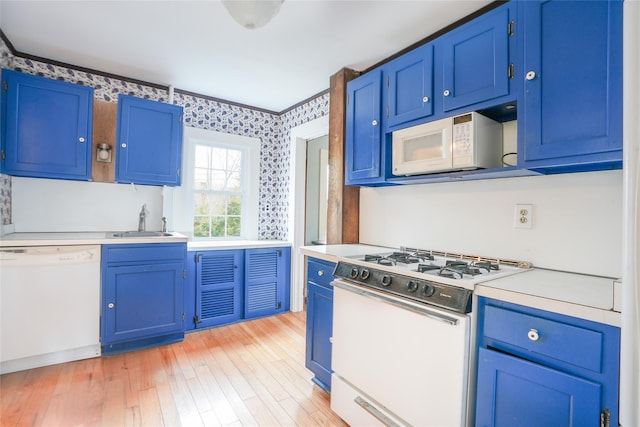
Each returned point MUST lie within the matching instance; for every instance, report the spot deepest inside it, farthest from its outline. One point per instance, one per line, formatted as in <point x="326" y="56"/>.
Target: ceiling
<point x="196" y="46"/>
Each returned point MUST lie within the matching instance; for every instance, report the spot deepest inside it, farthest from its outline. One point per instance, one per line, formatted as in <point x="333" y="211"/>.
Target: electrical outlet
<point x="523" y="216"/>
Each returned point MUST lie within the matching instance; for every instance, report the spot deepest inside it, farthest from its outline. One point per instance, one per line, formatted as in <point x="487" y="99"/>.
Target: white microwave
<point x="468" y="141"/>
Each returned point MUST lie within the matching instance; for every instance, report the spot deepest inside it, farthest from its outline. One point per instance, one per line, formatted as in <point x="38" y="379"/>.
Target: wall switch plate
<point x="523" y="216"/>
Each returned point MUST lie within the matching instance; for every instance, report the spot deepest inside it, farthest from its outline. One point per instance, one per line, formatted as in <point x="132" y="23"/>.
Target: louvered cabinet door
<point x="218" y="287"/>
<point x="267" y="273"/>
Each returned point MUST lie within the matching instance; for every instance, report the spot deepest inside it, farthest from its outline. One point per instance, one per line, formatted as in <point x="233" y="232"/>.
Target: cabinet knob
<point x="446" y="93"/>
<point x="374" y="123"/>
<point x="425" y="99"/>
<point x="533" y="335"/>
<point x="320" y="272"/>
<point x="111" y="305"/>
<point x="331" y="340"/>
<point x="530" y="75"/>
<point x="123" y="145"/>
<point x="81" y="139"/>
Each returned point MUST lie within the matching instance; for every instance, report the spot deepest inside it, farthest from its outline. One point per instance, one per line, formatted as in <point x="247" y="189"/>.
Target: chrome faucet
<point x="142" y="222"/>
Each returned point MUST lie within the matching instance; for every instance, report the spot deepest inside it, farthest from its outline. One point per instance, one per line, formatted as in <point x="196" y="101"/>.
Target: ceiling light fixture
<point x="252" y="14"/>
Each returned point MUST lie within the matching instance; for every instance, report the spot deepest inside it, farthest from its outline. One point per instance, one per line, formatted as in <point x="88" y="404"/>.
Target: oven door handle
<point x="375" y="412"/>
<point x="424" y="311"/>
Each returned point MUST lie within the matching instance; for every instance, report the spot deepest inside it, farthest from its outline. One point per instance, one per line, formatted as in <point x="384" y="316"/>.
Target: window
<point x="218" y="198"/>
<point x="217" y="191"/>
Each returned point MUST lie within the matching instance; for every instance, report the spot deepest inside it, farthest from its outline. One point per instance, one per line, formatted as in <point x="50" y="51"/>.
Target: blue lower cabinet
<point x="538" y="368"/>
<point x="266" y="281"/>
<point x="218" y="287"/>
<point x="142" y="295"/>
<point x="228" y="286"/>
<point x="319" y="321"/>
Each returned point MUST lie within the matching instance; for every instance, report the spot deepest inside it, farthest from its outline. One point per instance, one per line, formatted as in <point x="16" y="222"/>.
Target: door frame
<point x="299" y="136"/>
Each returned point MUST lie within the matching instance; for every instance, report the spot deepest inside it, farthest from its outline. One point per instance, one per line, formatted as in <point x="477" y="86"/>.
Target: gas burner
<point x="372" y="258"/>
<point x="422" y="268"/>
<point x="450" y="273"/>
<point x="456" y="263"/>
<point x="386" y="261"/>
<point x="487" y="265"/>
<point x="404" y="258"/>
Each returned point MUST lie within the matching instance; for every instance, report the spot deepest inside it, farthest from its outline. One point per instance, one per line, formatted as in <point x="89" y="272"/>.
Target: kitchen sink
<point x="142" y="234"/>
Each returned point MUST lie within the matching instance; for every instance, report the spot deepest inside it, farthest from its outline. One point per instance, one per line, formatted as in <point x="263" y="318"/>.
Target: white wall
<point x="43" y="205"/>
<point x="577" y="219"/>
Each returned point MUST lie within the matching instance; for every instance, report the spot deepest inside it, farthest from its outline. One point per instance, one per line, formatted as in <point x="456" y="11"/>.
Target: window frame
<point x="181" y="198"/>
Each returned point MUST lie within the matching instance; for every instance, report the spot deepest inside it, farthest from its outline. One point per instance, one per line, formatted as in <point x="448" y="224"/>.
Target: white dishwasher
<point x="49" y="305"/>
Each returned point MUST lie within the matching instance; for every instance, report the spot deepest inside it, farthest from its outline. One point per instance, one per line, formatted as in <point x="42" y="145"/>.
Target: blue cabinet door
<point x="572" y="115"/>
<point x="319" y="332"/>
<point x="514" y="392"/>
<point x="476" y="60"/>
<point x="46" y="127"/>
<point x="363" y="151"/>
<point x="142" y="295"/>
<point x="149" y="142"/>
<point x="219" y="278"/>
<point x="410" y="86"/>
<point x="142" y="301"/>
<point x="267" y="274"/>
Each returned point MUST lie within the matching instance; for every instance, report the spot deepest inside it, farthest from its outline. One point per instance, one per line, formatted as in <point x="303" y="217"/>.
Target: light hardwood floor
<point x="246" y="374"/>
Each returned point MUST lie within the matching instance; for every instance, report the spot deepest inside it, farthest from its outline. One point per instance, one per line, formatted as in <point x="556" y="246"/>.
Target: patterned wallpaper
<point x="271" y="129"/>
<point x="5" y="181"/>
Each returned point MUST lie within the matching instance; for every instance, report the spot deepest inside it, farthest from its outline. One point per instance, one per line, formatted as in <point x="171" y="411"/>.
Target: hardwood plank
<point x="246" y="374"/>
<point x="150" y="409"/>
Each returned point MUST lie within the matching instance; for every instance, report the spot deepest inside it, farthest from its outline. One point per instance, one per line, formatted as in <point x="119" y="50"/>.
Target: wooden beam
<point x="104" y="131"/>
<point x="343" y="208"/>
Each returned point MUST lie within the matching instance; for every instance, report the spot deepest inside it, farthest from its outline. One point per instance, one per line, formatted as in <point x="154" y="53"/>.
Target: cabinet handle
<point x="446" y="93"/>
<point x="111" y="305"/>
<point x="530" y="75"/>
<point x="533" y="335"/>
<point x="81" y="139"/>
<point x="123" y="145"/>
<point x="320" y="273"/>
<point x="425" y="99"/>
<point x="374" y="123"/>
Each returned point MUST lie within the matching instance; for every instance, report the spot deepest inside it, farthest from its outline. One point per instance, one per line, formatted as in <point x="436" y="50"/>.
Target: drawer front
<point x="320" y="272"/>
<point x="127" y="254"/>
<point x="564" y="342"/>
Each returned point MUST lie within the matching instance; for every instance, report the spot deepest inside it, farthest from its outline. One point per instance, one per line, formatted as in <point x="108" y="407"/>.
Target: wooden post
<point x="104" y="131"/>
<point x="343" y="208"/>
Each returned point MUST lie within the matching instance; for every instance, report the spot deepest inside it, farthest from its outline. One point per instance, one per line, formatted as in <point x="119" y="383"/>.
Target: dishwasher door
<point x="49" y="305"/>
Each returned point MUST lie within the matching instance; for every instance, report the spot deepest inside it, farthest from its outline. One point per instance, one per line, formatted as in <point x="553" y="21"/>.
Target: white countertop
<point x="203" y="245"/>
<point x="334" y="253"/>
<point x="106" y="238"/>
<point x="81" y="238"/>
<point x="578" y="295"/>
<point x="587" y="297"/>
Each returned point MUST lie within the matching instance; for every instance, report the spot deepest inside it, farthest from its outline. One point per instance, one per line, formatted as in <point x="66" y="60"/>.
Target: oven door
<point x="397" y="362"/>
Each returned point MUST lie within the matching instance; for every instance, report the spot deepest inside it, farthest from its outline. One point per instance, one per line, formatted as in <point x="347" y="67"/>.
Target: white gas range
<point x="401" y="335"/>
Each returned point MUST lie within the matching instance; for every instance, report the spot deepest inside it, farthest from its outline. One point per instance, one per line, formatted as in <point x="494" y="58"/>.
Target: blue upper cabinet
<point x="149" y="142"/>
<point x="409" y="81"/>
<point x="572" y="85"/>
<point x="475" y="60"/>
<point x="363" y="150"/>
<point x="46" y="127"/>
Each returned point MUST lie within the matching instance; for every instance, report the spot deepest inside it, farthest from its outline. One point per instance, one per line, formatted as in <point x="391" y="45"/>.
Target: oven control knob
<point x="386" y="280"/>
<point x="412" y="286"/>
<point x="428" y="290"/>
<point x="354" y="272"/>
<point x="364" y="274"/>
